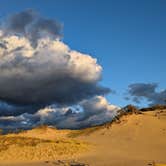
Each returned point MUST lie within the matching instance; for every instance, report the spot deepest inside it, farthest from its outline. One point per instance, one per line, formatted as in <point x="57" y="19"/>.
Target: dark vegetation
<point x="153" y="108"/>
<point x="6" y="142"/>
<point x="66" y="163"/>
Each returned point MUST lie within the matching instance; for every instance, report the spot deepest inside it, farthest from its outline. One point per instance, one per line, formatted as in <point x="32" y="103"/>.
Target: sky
<point x="127" y="37"/>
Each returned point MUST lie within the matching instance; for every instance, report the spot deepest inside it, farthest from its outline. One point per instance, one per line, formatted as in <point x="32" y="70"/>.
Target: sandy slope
<point x="135" y="141"/>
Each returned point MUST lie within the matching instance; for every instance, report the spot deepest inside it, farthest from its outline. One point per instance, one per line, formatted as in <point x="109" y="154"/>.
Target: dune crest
<point x="133" y="138"/>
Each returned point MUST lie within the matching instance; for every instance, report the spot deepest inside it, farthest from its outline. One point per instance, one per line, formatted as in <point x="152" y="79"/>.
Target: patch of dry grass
<point x="83" y="132"/>
<point x="16" y="148"/>
<point x="6" y="142"/>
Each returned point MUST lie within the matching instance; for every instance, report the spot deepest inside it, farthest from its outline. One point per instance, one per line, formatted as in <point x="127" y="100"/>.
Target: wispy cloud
<point x="148" y="91"/>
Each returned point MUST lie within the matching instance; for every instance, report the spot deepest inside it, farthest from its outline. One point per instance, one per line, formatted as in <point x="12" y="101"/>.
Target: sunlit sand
<point x="136" y="139"/>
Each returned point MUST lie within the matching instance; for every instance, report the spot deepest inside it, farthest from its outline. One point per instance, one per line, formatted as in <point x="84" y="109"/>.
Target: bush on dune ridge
<point x="153" y="108"/>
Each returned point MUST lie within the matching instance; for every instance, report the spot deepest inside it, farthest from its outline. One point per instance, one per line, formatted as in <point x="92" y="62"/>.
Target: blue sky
<point x="128" y="37"/>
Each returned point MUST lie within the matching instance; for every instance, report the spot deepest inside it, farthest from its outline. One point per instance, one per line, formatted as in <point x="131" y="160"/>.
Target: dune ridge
<point x="133" y="138"/>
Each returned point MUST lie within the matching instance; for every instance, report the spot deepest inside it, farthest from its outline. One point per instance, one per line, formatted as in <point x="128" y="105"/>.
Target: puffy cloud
<point x="38" y="70"/>
<point x="49" y="73"/>
<point x="88" y="113"/>
<point x="31" y="25"/>
<point x="139" y="91"/>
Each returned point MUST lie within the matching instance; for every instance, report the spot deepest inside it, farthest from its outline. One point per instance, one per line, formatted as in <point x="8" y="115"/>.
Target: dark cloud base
<point x="38" y="70"/>
<point x="139" y="91"/>
<point x="88" y="113"/>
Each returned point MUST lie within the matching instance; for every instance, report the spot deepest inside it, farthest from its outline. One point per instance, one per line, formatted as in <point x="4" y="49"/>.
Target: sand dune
<point x="136" y="140"/>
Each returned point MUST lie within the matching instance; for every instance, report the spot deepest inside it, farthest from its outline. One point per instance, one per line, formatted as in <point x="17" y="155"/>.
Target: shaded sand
<point x="136" y="140"/>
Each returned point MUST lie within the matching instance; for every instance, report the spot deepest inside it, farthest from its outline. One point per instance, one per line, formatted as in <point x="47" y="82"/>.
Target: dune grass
<point x="6" y="142"/>
<point x="25" y="148"/>
<point x="83" y="132"/>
